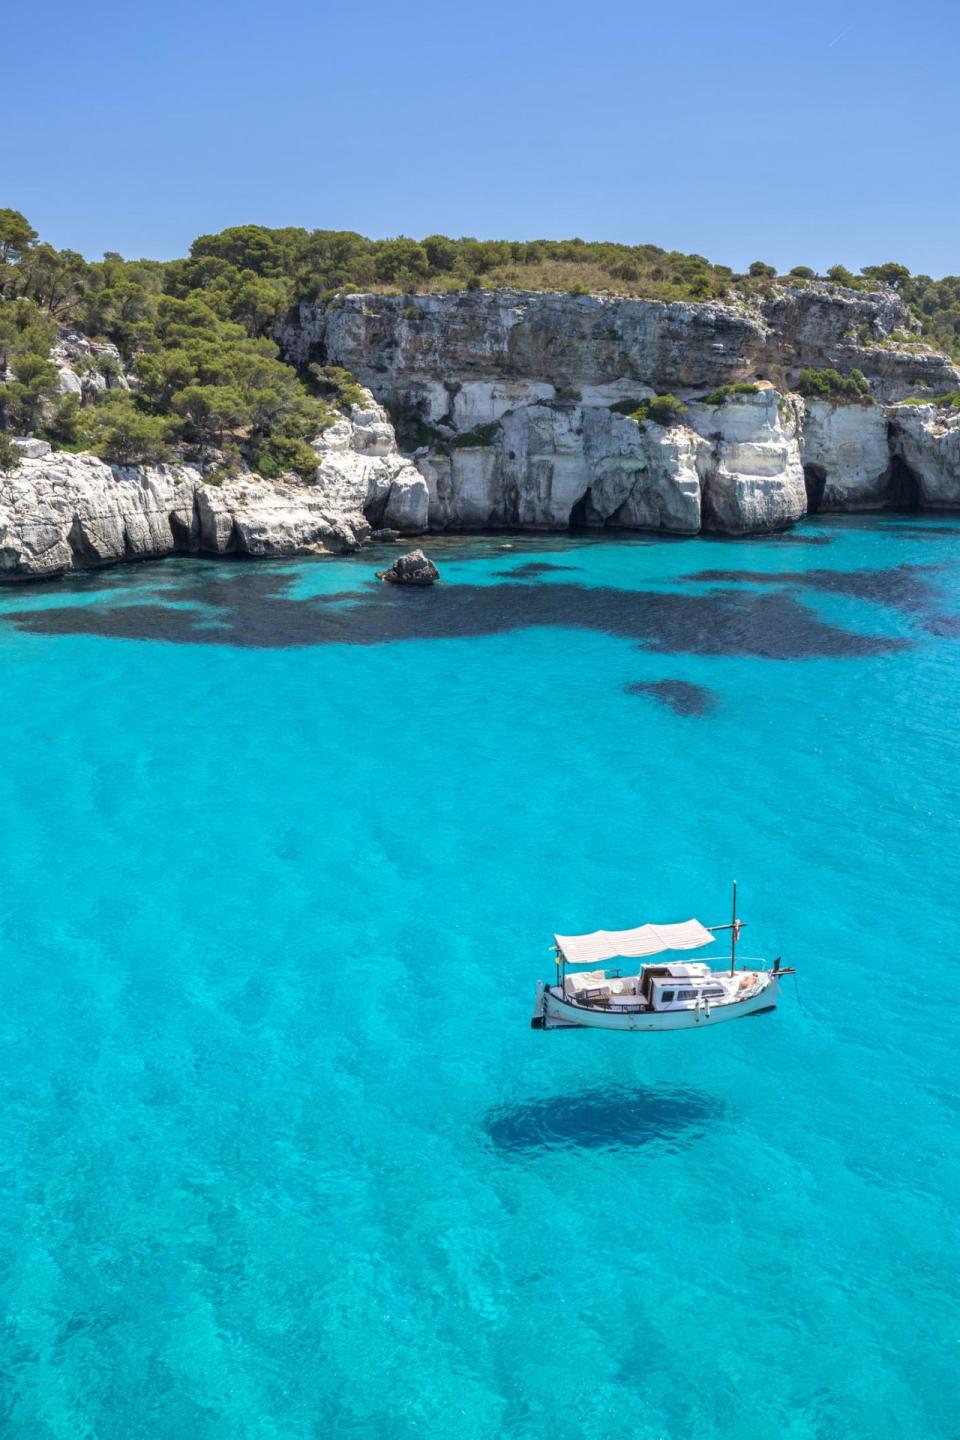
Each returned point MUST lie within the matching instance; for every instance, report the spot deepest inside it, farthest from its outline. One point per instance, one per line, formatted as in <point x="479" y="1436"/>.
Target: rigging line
<point x="803" y="1009"/>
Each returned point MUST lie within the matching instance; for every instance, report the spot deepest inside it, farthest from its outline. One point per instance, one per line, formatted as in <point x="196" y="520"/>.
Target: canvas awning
<point x="644" y="940"/>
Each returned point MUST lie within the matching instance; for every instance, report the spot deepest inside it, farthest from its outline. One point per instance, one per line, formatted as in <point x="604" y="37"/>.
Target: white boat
<point x="662" y="995"/>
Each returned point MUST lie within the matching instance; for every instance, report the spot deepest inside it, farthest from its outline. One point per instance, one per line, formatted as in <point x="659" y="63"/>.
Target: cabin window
<point x="686" y="994"/>
<point x="667" y="997"/>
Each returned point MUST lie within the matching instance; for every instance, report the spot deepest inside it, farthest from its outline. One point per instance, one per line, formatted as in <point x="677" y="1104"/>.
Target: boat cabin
<point x="676" y="987"/>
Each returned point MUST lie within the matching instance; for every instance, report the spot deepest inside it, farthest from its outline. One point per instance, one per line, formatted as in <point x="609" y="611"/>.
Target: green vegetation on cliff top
<point x="195" y="333"/>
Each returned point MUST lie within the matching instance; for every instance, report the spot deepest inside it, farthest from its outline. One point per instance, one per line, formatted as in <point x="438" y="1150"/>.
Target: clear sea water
<point x="282" y="853"/>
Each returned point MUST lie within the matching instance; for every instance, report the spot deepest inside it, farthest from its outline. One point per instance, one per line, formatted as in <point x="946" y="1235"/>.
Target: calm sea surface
<point x="281" y="855"/>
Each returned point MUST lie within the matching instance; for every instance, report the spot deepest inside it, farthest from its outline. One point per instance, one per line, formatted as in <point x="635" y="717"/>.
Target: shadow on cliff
<point x="250" y="609"/>
<point x="622" y="1118"/>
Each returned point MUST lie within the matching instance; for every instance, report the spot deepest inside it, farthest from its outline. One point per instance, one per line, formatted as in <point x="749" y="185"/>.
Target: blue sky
<point x="810" y="134"/>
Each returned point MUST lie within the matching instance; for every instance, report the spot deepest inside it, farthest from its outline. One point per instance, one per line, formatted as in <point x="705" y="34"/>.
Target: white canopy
<point x="644" y="940"/>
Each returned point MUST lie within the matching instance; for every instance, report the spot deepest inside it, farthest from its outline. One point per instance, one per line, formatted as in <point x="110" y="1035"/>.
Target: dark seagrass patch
<point x="680" y="696"/>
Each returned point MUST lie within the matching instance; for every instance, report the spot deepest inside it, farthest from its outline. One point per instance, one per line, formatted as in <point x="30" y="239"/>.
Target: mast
<point x="733" y="932"/>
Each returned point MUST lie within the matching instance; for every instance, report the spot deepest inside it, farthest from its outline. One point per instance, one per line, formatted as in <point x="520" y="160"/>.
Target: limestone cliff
<point x="527" y="410"/>
<point x="511" y="404"/>
<point x="62" y="512"/>
<point x="426" y="348"/>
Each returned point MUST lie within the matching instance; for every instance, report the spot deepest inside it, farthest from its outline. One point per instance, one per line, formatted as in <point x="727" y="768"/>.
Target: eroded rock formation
<point x="526" y="410"/>
<point x="512" y="405"/>
<point x="62" y="512"/>
<point x="414" y="568"/>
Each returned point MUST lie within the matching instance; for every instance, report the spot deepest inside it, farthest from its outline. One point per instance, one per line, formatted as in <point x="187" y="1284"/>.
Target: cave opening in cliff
<point x="903" y="486"/>
<point x="578" y="515"/>
<point x="814" y="478"/>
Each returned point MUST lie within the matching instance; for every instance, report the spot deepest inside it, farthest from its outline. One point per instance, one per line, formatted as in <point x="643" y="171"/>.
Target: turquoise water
<point x="281" y="857"/>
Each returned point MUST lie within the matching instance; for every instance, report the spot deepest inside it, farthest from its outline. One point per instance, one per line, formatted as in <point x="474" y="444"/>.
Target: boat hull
<point x="560" y="1014"/>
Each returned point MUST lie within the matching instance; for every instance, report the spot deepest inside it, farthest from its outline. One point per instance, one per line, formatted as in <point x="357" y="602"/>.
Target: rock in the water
<point x="414" y="568"/>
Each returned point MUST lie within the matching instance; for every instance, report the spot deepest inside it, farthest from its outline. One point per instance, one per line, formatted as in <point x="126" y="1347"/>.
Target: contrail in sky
<point x="841" y="35"/>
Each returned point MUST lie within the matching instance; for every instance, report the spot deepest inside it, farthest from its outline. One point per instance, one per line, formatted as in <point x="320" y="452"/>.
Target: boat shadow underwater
<point x="618" y="1118"/>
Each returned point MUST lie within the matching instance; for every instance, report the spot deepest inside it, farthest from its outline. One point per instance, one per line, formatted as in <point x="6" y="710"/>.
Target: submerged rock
<point x="414" y="568"/>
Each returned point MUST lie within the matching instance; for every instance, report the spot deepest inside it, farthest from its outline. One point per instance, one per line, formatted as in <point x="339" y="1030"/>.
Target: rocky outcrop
<point x="414" y="568"/>
<point x="753" y="478"/>
<point x="733" y="467"/>
<point x="361" y="472"/>
<point x="511" y="403"/>
<point x="517" y="411"/>
<point x="522" y="346"/>
<point x="846" y="456"/>
<point x="642" y="477"/>
<point x="62" y="512"/>
<point x="926" y="441"/>
<point x="87" y="367"/>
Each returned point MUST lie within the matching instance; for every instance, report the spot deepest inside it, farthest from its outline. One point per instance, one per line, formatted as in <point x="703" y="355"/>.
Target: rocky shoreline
<point x="511" y="409"/>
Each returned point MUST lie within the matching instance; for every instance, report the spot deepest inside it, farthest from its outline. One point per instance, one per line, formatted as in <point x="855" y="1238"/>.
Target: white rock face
<point x="753" y="480"/>
<point x="546" y="465"/>
<point x="536" y="369"/>
<point x="736" y="467"/>
<point x="398" y="344"/>
<point x="87" y="367"/>
<point x="465" y="488"/>
<point x="846" y="445"/>
<point x="641" y="478"/>
<point x="927" y="439"/>
<point x="362" y="473"/>
<point x="250" y="516"/>
<point x="61" y="512"/>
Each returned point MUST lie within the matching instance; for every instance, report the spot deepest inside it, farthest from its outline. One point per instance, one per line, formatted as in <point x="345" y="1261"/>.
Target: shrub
<point x="949" y="400"/>
<point x="840" y="275"/>
<point x="129" y="435"/>
<point x="280" y="453"/>
<point x="829" y="384"/>
<point x="665" y="409"/>
<point x="9" y="453"/>
<point x="803" y="272"/>
<point x="65" y="426"/>
<point x="760" y="270"/>
<point x="661" y="409"/>
<point x="470" y="439"/>
<point x="723" y="394"/>
<point x="338" y="385"/>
